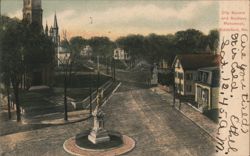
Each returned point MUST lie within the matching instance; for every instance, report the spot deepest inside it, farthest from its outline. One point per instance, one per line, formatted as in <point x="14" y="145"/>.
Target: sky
<point x="115" y="18"/>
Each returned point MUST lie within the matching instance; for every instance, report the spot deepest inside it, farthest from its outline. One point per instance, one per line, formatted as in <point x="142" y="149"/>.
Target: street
<point x="134" y="110"/>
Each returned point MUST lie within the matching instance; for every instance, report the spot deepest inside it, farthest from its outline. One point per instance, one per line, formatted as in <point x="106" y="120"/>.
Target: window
<point x="199" y="93"/>
<point x="180" y="87"/>
<point x="28" y="16"/>
<point x="205" y="96"/>
<point x="204" y="77"/>
<point x="189" y="76"/>
<point x="176" y="88"/>
<point x="199" y="76"/>
<point x="180" y="75"/>
<point x="189" y="88"/>
<point x="177" y="64"/>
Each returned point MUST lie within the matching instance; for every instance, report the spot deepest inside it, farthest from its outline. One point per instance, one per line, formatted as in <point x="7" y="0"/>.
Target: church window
<point x="28" y="15"/>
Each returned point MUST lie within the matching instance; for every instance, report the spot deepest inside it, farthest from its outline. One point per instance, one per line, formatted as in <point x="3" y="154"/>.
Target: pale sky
<point x="114" y="18"/>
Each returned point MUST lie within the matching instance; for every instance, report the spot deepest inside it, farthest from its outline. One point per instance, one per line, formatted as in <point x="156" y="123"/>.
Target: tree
<point x="213" y="40"/>
<point x="38" y="53"/>
<point x="6" y="81"/>
<point x="67" y="64"/>
<point x="12" y="65"/>
<point x="152" y="47"/>
<point x="133" y="44"/>
<point x="189" y="41"/>
<point x="158" y="47"/>
<point x="102" y="46"/>
<point x="24" y="48"/>
<point x="77" y="44"/>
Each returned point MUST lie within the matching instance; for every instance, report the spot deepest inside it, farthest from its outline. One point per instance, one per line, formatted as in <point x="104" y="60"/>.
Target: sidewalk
<point x="191" y="113"/>
<point x="58" y="118"/>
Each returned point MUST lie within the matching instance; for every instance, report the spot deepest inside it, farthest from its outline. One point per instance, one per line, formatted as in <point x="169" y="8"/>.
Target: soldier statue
<point x="98" y="134"/>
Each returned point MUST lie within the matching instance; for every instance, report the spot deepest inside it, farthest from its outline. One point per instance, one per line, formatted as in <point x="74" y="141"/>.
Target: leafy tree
<point x="38" y="51"/>
<point x="67" y="65"/>
<point x="77" y="44"/>
<point x="133" y="44"/>
<point x="6" y="81"/>
<point x="158" y="47"/>
<point x="189" y="41"/>
<point x="102" y="46"/>
<point x="23" y="49"/>
<point x="213" y="39"/>
<point x="4" y="76"/>
<point x="12" y="65"/>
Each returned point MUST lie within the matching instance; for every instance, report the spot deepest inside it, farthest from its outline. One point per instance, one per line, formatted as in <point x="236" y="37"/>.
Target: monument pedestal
<point x="98" y="136"/>
<point x="98" y="133"/>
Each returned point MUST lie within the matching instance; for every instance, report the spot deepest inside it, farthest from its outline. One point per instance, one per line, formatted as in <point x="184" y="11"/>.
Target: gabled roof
<point x="195" y="61"/>
<point x="210" y="68"/>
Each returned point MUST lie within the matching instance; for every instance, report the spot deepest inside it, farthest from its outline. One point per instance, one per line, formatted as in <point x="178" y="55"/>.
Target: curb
<point x="176" y="108"/>
<point x="63" y="122"/>
<point x="213" y="137"/>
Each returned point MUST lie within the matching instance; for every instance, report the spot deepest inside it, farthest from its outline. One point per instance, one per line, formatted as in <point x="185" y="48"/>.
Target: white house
<point x="207" y="88"/>
<point x="120" y="54"/>
<point x="63" y="56"/>
<point x="86" y="51"/>
<point x="186" y="69"/>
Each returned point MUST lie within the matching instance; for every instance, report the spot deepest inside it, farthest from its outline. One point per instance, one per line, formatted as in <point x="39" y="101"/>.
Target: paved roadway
<point x="157" y="128"/>
<point x="133" y="110"/>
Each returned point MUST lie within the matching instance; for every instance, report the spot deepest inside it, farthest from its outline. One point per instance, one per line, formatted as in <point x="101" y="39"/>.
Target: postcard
<point x="124" y="77"/>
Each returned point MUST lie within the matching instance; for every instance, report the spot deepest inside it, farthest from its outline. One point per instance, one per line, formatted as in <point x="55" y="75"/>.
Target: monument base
<point x="98" y="136"/>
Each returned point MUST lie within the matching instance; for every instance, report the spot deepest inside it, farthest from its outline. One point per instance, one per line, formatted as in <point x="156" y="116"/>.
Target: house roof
<point x="195" y="61"/>
<point x="209" y="68"/>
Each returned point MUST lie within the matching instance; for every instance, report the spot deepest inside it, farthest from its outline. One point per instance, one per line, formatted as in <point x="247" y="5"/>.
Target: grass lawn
<point x="81" y="81"/>
<point x="78" y="90"/>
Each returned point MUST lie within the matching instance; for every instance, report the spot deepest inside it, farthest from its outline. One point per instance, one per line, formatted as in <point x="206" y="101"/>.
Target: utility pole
<point x="98" y="73"/>
<point x="90" y="94"/>
<point x="113" y="69"/>
<point x="107" y="65"/>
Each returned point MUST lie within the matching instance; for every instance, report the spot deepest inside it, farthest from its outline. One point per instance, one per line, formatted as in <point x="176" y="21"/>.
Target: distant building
<point x="63" y="56"/>
<point x="163" y="64"/>
<point x="87" y="51"/>
<point x="120" y="54"/>
<point x="185" y="71"/>
<point x="207" y="88"/>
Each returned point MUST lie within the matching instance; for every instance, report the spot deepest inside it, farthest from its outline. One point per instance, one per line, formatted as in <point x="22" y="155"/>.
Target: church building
<point x="33" y="14"/>
<point x="53" y="33"/>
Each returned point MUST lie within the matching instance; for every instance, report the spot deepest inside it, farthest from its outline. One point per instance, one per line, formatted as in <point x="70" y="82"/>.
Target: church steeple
<point x="55" y="22"/>
<point x="46" y="29"/>
<point x="32" y="11"/>
<point x="54" y="32"/>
